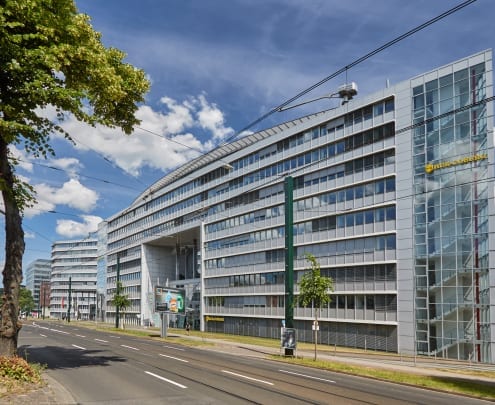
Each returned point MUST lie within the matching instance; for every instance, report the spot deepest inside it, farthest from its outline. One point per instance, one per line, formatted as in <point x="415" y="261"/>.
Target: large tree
<point x="50" y="59"/>
<point x="314" y="290"/>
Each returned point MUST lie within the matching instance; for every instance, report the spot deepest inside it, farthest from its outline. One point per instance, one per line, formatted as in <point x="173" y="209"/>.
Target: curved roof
<point x="221" y="152"/>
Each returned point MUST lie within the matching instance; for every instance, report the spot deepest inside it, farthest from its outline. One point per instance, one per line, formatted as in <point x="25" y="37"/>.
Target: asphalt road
<point x="105" y="368"/>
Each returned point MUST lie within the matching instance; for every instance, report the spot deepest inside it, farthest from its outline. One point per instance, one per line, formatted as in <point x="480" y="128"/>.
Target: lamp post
<point x="117" y="309"/>
<point x="70" y="299"/>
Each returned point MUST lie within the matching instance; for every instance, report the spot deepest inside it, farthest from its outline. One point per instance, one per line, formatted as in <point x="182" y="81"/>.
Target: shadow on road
<point x="54" y="357"/>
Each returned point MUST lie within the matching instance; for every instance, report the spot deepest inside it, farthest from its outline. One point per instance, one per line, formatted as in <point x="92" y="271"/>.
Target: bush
<point x="16" y="368"/>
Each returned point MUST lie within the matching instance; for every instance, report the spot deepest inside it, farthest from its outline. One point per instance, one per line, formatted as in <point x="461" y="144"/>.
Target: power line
<point x="351" y="65"/>
<point x="309" y="89"/>
<point x="326" y="79"/>
<point x="81" y="175"/>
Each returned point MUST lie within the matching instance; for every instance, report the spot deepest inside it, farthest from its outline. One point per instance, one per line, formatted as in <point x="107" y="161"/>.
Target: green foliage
<point x="314" y="289"/>
<point x="26" y="300"/>
<point x="120" y="300"/>
<point x="17" y="368"/>
<point x="54" y="64"/>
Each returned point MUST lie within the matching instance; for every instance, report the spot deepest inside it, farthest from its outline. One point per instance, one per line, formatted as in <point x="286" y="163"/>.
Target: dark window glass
<point x="368" y="217"/>
<point x="358" y="218"/>
<point x="389" y="105"/>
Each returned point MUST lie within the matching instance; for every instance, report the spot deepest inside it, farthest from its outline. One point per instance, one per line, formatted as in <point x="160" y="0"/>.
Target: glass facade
<point x="451" y="196"/>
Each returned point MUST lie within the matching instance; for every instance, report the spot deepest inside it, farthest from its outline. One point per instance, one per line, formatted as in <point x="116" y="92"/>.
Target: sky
<point x="216" y="66"/>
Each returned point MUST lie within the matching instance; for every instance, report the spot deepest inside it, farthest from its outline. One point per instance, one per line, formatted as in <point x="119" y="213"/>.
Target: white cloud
<point x="165" y="141"/>
<point x="71" y="229"/>
<point x="72" y="194"/>
<point x="69" y="165"/>
<point x="212" y="119"/>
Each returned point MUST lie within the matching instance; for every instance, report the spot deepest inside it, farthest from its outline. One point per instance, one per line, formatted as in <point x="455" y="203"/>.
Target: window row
<point x="369" y="244"/>
<point x="346" y="220"/>
<point x="348" y="246"/>
<point x="246" y="280"/>
<point x="347" y="194"/>
<point x="245" y="239"/>
<point x="357" y="274"/>
<point x="249" y="218"/>
<point x="124" y="277"/>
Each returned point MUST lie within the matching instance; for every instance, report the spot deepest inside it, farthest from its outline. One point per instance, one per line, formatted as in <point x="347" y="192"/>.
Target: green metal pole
<point x="117" y="309"/>
<point x="289" y="252"/>
<point x="70" y="299"/>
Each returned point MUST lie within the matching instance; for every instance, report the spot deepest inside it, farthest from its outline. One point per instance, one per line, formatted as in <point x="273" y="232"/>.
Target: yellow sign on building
<point x="430" y="168"/>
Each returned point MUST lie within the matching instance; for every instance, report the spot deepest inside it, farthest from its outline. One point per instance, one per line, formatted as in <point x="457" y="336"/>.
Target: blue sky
<point x="217" y="65"/>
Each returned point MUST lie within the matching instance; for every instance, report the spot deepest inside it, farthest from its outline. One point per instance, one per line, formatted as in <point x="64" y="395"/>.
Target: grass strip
<point x="458" y="385"/>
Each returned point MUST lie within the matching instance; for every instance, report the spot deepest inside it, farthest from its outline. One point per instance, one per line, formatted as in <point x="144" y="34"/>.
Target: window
<point x="389" y="105"/>
<point x="378" y="109"/>
<point x="369" y="217"/>
<point x="359" y="217"/>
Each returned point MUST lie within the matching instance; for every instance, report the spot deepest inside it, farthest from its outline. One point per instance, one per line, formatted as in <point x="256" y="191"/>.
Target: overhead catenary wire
<point x="326" y="79"/>
<point x="81" y="175"/>
<point x="321" y="82"/>
<point x="349" y="66"/>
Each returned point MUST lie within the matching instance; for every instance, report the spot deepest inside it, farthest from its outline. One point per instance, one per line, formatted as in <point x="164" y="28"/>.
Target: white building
<point x="36" y="273"/>
<point x="391" y="194"/>
<point x="73" y="279"/>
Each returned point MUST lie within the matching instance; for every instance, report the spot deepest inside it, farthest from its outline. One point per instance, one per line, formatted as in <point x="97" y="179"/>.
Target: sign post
<point x="169" y="300"/>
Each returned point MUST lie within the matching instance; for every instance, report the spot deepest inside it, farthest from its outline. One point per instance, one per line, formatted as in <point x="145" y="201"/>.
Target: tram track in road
<point x="302" y="384"/>
<point x="222" y="372"/>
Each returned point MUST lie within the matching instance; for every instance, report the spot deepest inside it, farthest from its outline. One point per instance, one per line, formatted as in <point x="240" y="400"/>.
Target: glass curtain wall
<point x="451" y="216"/>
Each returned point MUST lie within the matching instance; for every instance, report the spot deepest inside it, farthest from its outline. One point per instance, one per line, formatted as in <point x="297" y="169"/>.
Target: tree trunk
<point x="14" y="250"/>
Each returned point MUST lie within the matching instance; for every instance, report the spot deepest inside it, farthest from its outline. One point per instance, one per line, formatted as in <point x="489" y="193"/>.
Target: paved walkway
<point x="54" y="393"/>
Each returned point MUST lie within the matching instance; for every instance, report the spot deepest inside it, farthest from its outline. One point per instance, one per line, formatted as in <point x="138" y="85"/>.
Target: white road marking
<point x="129" y="347"/>
<point x="42" y="335"/>
<point x="43" y="327"/>
<point x="175" y="348"/>
<point x="60" y="331"/>
<point x="79" y="347"/>
<point x="80" y="335"/>
<point x="116" y="337"/>
<point x="306" y="376"/>
<point x="174" y="358"/>
<point x="247" y="378"/>
<point x="101" y="340"/>
<point x="166" y="379"/>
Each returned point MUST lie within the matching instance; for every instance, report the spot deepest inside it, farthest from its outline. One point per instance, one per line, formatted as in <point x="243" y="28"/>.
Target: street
<point x="98" y="366"/>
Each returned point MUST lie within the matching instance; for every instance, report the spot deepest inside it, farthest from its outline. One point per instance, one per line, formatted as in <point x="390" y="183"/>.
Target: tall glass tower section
<point x="452" y="188"/>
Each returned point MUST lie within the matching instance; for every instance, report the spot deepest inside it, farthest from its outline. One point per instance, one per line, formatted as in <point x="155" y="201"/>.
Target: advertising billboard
<point x="288" y="338"/>
<point x="171" y="300"/>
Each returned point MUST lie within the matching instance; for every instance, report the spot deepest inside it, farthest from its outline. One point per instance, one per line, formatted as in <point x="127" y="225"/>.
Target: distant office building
<point x="36" y="273"/>
<point x="393" y="194"/>
<point x="73" y="279"/>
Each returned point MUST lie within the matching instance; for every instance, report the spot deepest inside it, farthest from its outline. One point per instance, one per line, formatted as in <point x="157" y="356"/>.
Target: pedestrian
<point x="187" y="328"/>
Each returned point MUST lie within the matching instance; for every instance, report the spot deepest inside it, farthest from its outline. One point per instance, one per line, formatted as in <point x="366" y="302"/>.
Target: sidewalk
<point x="53" y="393"/>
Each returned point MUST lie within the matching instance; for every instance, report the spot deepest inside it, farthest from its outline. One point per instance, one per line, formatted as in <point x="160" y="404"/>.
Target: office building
<point x="392" y="194"/>
<point x="73" y="279"/>
<point x="37" y="272"/>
